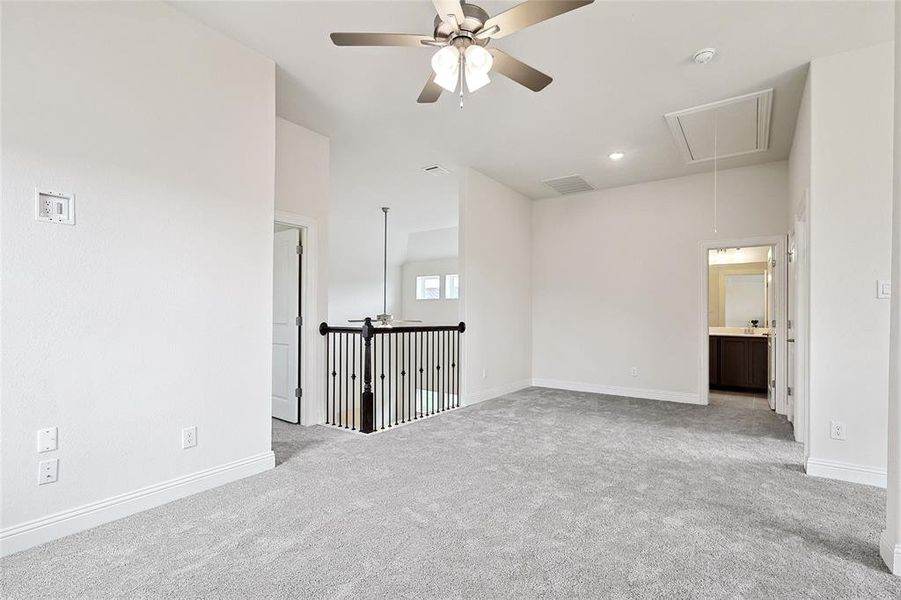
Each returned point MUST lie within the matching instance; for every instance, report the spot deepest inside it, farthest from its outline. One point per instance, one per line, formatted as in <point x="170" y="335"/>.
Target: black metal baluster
<point x="327" y="358"/>
<point x="334" y="374"/>
<point x="459" y="367"/>
<point x="353" y="383"/>
<point x="431" y="366"/>
<point x="410" y="380"/>
<point x="382" y="376"/>
<point x="396" y="374"/>
<point x="419" y="373"/>
<point x="400" y="344"/>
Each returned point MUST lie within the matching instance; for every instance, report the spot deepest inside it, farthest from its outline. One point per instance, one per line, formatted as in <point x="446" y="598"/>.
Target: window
<point x="428" y="287"/>
<point x="452" y="286"/>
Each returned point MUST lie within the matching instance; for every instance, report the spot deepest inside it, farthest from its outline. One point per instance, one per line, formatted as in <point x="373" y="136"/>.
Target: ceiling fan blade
<point x="357" y="320"/>
<point x="450" y="7"/>
<point x="406" y="321"/>
<point x="519" y="71"/>
<point x="430" y="92"/>
<point x="529" y="13"/>
<point x="380" y="39"/>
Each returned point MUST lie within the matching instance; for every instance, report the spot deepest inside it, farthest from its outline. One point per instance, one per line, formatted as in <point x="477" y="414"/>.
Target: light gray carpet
<point x="540" y="493"/>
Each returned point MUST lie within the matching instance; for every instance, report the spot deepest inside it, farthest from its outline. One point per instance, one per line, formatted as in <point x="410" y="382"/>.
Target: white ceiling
<point x="618" y="67"/>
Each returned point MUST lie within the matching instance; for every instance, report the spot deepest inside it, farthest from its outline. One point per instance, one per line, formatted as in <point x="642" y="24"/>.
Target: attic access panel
<point x="732" y="127"/>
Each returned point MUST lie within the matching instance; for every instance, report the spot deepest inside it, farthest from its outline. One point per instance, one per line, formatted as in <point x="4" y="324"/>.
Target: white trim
<point x="501" y="390"/>
<point x="31" y="533"/>
<point x="625" y="392"/>
<point x="311" y="411"/>
<point x="780" y="277"/>
<point x="890" y="553"/>
<point x="830" y="469"/>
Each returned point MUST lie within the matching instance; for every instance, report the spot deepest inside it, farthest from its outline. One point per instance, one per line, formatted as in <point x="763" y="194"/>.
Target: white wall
<point x="153" y="312"/>
<point x="440" y="311"/>
<point x="890" y="540"/>
<point x="850" y="248"/>
<point x="616" y="277"/>
<point x="302" y="188"/>
<point x="496" y="287"/>
<point x="355" y="269"/>
<point x="433" y="244"/>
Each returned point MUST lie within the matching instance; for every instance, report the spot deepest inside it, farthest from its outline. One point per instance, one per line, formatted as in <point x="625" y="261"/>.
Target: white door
<point x="285" y="331"/>
<point x="771" y="316"/>
<point x="792" y="299"/>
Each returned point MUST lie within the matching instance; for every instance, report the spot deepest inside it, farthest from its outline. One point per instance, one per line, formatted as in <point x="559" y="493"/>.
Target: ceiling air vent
<point x="729" y="127"/>
<point x="436" y="170"/>
<point x="572" y="184"/>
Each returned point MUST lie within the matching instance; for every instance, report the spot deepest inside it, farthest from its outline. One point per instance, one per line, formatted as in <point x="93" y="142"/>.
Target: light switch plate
<point x="47" y="439"/>
<point x="883" y="288"/>
<point x="54" y="207"/>
<point x="48" y="471"/>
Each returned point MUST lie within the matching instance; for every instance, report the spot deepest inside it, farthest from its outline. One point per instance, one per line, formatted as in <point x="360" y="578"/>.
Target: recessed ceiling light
<point x="704" y="55"/>
<point x="616" y="155"/>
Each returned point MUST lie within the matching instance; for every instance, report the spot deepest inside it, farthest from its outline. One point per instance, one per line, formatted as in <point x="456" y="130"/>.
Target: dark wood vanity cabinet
<point x="738" y="363"/>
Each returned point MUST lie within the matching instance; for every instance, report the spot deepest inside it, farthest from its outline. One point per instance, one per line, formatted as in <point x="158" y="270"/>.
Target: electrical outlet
<point x="48" y="471"/>
<point x="54" y="207"/>
<point x="47" y="439"/>
<point x="837" y="430"/>
<point x="189" y="437"/>
<point x="634" y="371"/>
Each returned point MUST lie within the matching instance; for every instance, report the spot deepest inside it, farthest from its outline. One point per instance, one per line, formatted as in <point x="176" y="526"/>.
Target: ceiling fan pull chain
<point x="462" y="66"/>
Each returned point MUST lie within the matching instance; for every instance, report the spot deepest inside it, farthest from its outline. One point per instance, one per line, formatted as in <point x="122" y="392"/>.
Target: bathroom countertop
<point x="739" y="331"/>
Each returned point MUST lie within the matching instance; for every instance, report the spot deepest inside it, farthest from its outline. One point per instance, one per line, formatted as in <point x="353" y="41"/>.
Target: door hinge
<point x="298" y="321"/>
<point x="299" y="249"/>
<point x="773" y="325"/>
<point x="773" y="384"/>
<point x="789" y="323"/>
<point x="789" y="390"/>
<point x="298" y="393"/>
<point x="773" y="263"/>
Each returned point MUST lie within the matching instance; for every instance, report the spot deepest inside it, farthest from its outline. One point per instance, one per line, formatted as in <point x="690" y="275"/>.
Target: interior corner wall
<point x="851" y="97"/>
<point x="616" y="278"/>
<point x="495" y="287"/>
<point x="302" y="188"/>
<point x="153" y="312"/>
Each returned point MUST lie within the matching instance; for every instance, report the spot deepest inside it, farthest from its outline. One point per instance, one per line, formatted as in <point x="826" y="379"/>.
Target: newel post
<point x="367" y="400"/>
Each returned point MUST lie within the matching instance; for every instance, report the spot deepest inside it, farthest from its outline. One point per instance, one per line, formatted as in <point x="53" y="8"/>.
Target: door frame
<point x="309" y="362"/>
<point x="779" y="284"/>
<point x="800" y="325"/>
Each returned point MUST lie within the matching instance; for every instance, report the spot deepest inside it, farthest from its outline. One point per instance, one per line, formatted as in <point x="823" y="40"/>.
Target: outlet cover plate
<point x="47" y="439"/>
<point x="48" y="471"/>
<point x="54" y="207"/>
<point x="189" y="437"/>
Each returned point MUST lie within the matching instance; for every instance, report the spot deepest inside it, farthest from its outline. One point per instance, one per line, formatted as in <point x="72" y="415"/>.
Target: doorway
<point x="287" y="322"/>
<point x="742" y="324"/>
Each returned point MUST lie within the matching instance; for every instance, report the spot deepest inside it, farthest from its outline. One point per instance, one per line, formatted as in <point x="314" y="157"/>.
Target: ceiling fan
<point x="384" y="319"/>
<point x="462" y="32"/>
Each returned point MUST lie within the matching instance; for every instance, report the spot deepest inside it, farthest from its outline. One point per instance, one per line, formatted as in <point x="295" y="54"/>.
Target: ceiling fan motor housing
<point x="472" y="24"/>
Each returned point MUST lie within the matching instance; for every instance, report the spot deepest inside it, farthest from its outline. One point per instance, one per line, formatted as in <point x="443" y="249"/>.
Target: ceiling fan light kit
<point x="461" y="32"/>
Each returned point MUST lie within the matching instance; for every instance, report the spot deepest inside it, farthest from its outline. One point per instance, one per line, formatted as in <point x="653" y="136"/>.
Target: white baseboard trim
<point x="25" y="535"/>
<point x="890" y="553"/>
<point x="481" y="396"/>
<point x="830" y="469"/>
<point x="611" y="390"/>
